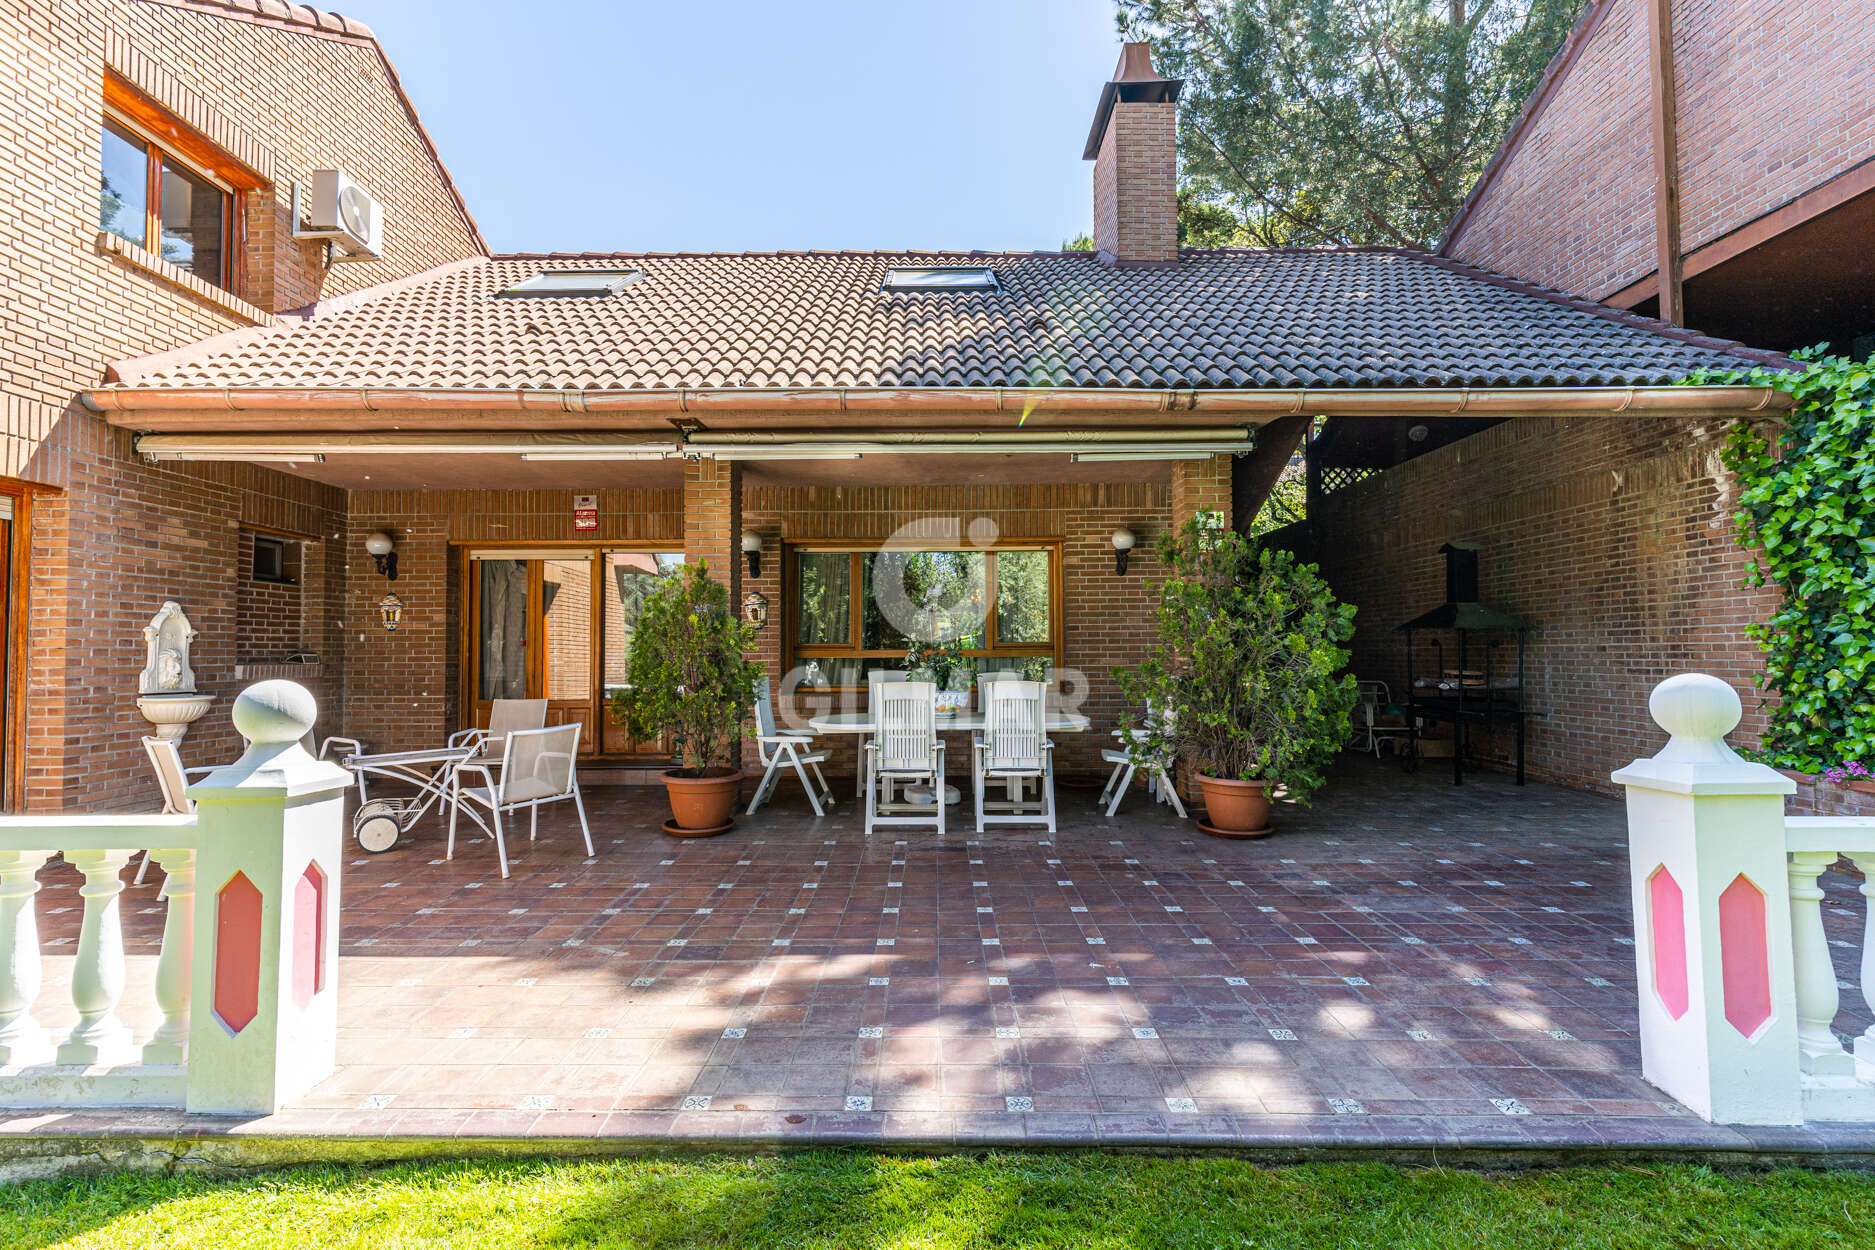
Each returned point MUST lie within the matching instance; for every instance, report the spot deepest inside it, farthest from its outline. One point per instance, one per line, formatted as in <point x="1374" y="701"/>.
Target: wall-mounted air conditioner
<point x="343" y="213"/>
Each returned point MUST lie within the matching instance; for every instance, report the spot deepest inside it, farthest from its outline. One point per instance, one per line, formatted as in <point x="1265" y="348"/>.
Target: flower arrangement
<point x="1848" y="771"/>
<point x="942" y="663"/>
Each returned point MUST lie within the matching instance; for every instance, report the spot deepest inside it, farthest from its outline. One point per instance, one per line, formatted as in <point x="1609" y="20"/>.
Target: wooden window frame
<point x="794" y="651"/>
<point x="13" y="654"/>
<point x="165" y="135"/>
<point x="535" y="553"/>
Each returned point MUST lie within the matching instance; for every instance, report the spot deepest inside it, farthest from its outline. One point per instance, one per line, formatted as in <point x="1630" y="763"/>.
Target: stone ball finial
<point x="1695" y="706"/>
<point x="275" y="711"/>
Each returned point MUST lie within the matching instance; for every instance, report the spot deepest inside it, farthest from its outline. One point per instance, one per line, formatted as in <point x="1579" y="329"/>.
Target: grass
<point x="827" y="1199"/>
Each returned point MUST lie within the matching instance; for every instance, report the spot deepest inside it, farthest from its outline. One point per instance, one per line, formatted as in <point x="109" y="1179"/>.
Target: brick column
<point x="713" y="520"/>
<point x="713" y="532"/>
<point x="1201" y="486"/>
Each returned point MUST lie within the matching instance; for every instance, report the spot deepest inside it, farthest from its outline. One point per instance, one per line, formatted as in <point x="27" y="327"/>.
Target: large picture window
<point x="851" y="611"/>
<point x="147" y="196"/>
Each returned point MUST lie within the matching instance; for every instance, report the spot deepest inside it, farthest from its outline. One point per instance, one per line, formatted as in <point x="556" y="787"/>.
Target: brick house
<point x="203" y="407"/>
<point x="1723" y="156"/>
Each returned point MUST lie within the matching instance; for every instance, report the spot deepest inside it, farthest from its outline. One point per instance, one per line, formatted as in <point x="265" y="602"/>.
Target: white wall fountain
<point x="166" y="693"/>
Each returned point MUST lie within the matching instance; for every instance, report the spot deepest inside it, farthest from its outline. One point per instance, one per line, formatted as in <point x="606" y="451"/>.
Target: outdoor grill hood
<point x="1461" y="609"/>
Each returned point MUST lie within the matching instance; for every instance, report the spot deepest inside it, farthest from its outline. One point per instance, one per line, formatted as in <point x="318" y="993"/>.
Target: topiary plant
<point x="1249" y="676"/>
<point x="688" y="675"/>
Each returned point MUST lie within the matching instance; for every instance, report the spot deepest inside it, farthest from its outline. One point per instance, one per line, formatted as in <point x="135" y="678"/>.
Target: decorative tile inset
<point x="1018" y="1103"/>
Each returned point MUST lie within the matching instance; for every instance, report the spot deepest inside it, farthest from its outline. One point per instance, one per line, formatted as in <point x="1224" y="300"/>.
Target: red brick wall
<point x="268" y="615"/>
<point x="1774" y="99"/>
<point x="124" y="536"/>
<point x="1611" y="535"/>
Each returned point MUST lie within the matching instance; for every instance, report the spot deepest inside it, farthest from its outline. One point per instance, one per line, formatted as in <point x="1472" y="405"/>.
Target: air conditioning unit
<point x="347" y="214"/>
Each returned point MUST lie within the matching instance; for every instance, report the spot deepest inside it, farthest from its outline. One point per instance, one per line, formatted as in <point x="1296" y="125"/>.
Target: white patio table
<point x="964" y="722"/>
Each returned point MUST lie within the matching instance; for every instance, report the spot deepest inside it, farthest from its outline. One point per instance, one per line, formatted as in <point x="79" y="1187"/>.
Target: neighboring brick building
<point x="1614" y="537"/>
<point x="241" y="101"/>
<point x="1770" y="149"/>
<point x="1003" y="413"/>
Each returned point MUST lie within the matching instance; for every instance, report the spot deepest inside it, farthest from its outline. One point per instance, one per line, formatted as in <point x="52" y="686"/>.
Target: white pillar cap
<point x="1697" y="710"/>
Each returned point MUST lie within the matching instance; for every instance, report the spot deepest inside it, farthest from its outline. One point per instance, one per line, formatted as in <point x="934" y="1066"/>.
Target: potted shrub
<point x="1249" y="675"/>
<point x="689" y="681"/>
<point x="945" y="665"/>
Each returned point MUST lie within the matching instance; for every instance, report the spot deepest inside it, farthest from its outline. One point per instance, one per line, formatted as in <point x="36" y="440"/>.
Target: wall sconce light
<point x="752" y="548"/>
<point x="383" y="549"/>
<point x="1123" y="540"/>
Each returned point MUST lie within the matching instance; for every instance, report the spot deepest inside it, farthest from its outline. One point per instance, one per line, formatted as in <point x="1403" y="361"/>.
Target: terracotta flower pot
<point x="702" y="807"/>
<point x="1235" y="809"/>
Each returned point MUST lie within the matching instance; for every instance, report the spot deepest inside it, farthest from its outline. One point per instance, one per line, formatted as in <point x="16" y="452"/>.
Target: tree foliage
<point x="1806" y="502"/>
<point x="1345" y="122"/>
<point x="1249" y="676"/>
<point x="688" y="673"/>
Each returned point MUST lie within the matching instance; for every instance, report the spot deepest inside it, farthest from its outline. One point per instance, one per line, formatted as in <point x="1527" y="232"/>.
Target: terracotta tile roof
<point x="1219" y="319"/>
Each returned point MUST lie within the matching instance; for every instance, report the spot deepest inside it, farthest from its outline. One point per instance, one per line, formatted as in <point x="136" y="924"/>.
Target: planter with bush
<point x="1249" y="679"/>
<point x="690" y="682"/>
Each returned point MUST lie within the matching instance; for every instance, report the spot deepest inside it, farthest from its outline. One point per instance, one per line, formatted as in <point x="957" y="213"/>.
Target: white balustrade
<point x="249" y="1015"/>
<point x="1737" y="990"/>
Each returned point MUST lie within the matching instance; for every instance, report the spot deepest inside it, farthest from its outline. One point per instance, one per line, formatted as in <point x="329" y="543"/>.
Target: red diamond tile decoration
<point x="237" y="953"/>
<point x="1743" y="956"/>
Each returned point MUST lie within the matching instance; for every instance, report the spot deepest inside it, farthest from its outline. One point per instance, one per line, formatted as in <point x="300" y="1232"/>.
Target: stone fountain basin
<point x="173" y="712"/>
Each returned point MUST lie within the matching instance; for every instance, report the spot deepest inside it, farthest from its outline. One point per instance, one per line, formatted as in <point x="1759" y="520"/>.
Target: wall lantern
<point x="1419" y="433"/>
<point x="1123" y="540"/>
<point x="384" y="550"/>
<point x="752" y="548"/>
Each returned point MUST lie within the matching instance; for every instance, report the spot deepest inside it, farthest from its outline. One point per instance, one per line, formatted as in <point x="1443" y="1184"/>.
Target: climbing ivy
<point x="1806" y="503"/>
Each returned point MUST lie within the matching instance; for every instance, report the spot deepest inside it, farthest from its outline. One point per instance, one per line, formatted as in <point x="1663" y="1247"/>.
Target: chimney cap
<point x="1134" y="81"/>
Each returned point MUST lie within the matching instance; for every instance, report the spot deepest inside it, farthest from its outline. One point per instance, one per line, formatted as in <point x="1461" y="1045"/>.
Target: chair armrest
<point x="488" y="776"/>
<point x="202" y="770"/>
<point x="803" y="739"/>
<point x="355" y="747"/>
<point x="464" y="736"/>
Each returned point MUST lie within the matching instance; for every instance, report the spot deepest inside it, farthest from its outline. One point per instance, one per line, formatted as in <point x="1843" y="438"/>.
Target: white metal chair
<point x="505" y="716"/>
<point x="778" y="750"/>
<point x="1014" y="748"/>
<point x="1372" y="700"/>
<point x="537" y="767"/>
<point x="905" y="750"/>
<point x="1126" y="763"/>
<point x="172" y="782"/>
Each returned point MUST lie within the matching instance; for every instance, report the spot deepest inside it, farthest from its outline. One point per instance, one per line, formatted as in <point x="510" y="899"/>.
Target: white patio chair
<point x="1125" y="764"/>
<point x="1014" y="748"/>
<point x="505" y="716"/>
<point x="1372" y="698"/>
<point x="537" y="767"/>
<point x="172" y="782"/>
<point x="874" y="679"/>
<point x="905" y="750"/>
<point x="778" y="749"/>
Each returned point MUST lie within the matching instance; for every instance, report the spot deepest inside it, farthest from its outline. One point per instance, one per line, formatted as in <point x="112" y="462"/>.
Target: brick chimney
<point x="1134" y="147"/>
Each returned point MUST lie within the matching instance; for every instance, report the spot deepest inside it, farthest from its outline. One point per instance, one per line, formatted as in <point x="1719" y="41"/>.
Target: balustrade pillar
<point x="22" y="1039"/>
<point x="1865" y="1044"/>
<point x="1817" y="999"/>
<point x="1711" y="889"/>
<point x="174" y="966"/>
<point x="99" y="1037"/>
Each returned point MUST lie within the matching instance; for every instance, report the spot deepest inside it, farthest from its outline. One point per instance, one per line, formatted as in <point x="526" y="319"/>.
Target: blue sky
<point x="732" y="124"/>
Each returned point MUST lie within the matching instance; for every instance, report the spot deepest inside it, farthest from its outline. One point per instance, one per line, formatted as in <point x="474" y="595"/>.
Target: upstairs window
<point x="152" y="199"/>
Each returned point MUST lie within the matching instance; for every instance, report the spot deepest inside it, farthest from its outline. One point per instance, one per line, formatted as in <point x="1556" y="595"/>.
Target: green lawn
<point x="856" y="1199"/>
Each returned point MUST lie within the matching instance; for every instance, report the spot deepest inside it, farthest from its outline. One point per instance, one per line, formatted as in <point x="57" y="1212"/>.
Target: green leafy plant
<point x="939" y="662"/>
<point x="1806" y="503"/>
<point x="1250" y="675"/>
<point x="688" y="675"/>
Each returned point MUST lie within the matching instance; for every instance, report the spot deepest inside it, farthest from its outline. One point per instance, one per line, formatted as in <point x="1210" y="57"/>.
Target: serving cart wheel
<point x="377" y="824"/>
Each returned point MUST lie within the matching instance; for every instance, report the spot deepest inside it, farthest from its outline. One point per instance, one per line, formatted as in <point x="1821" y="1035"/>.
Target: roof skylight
<point x="576" y="282"/>
<point x="941" y="278"/>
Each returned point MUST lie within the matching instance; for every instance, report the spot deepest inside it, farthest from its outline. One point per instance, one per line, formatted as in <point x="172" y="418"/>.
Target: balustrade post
<point x="175" y="965"/>
<point x="263" y="1022"/>
<point x="99" y="1037"/>
<point x="1817" y="999"/>
<point x="1865" y="1044"/>
<point x="1712" y="921"/>
<point x="22" y="1040"/>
